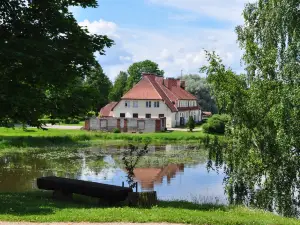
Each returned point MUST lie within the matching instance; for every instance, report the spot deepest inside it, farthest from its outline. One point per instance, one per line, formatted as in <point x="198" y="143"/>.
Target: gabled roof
<point x="152" y="87"/>
<point x="105" y="111"/>
<point x="143" y="90"/>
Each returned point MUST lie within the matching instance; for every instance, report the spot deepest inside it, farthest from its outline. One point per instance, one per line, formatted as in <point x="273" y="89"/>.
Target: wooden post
<point x="136" y="186"/>
<point x="122" y="183"/>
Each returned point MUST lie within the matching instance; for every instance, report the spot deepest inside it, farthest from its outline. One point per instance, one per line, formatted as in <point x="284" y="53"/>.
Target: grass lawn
<point x="55" y="137"/>
<point x="39" y="207"/>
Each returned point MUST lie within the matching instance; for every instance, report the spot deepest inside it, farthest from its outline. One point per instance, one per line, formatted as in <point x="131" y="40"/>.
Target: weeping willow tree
<point x="263" y="152"/>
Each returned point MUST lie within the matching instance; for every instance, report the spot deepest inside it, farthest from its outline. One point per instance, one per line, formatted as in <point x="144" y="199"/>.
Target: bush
<point x="216" y="124"/>
<point x="71" y="121"/>
<point x="116" y="130"/>
<point x="191" y="123"/>
<point x="91" y="113"/>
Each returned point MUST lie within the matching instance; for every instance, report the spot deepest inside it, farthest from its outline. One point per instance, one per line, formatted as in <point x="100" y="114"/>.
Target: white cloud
<point x="218" y="9"/>
<point x="173" y="52"/>
<point x="187" y="17"/>
<point x="101" y="27"/>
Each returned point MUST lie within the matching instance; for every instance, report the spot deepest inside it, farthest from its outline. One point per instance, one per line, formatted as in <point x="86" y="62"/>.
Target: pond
<point x="174" y="171"/>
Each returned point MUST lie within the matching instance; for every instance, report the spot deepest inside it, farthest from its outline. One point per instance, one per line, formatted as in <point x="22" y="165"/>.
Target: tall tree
<point x="136" y="69"/>
<point x="119" y="87"/>
<point x="44" y="52"/>
<point x="263" y="152"/>
<point x="101" y="87"/>
<point x="199" y="87"/>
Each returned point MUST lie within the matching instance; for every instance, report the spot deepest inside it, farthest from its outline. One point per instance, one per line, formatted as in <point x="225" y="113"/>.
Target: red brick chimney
<point x="170" y="82"/>
<point x="181" y="83"/>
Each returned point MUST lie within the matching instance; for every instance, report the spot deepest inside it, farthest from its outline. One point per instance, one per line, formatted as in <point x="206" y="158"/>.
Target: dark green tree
<point x="199" y="87"/>
<point x="119" y="87"/>
<point x="191" y="124"/>
<point x="44" y="57"/>
<point x="101" y="86"/>
<point x="136" y="69"/>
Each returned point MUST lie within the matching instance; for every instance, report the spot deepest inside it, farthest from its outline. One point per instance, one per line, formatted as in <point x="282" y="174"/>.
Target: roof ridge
<point x="153" y="86"/>
<point x="168" y="96"/>
<point x="169" y="104"/>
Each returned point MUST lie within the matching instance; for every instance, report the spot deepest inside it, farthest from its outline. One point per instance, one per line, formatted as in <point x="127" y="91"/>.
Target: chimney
<point x="170" y="82"/>
<point x="149" y="75"/>
<point x="181" y="83"/>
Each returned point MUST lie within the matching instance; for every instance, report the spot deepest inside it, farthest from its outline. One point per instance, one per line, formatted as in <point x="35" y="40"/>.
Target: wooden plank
<point x="88" y="188"/>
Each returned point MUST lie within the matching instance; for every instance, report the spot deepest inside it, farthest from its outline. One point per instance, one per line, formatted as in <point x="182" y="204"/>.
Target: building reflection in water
<point x="148" y="177"/>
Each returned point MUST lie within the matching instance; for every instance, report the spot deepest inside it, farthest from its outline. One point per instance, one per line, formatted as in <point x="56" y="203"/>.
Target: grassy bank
<point x="39" y="207"/>
<point x="54" y="137"/>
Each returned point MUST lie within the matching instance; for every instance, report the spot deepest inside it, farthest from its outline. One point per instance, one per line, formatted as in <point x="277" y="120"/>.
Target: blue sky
<point x="173" y="33"/>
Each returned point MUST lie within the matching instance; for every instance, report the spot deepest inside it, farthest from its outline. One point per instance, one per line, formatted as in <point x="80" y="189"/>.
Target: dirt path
<point x="63" y="127"/>
<point x="82" y="223"/>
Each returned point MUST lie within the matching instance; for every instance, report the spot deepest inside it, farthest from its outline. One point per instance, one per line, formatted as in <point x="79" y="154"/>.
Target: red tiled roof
<point x="152" y="87"/>
<point x="143" y="90"/>
<point x="105" y="111"/>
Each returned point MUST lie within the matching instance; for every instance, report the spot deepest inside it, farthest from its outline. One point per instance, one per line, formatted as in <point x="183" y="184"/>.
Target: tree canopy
<point x="44" y="55"/>
<point x="118" y="87"/>
<point x="136" y="69"/>
<point x="262" y="154"/>
<point x="101" y="86"/>
<point x="199" y="87"/>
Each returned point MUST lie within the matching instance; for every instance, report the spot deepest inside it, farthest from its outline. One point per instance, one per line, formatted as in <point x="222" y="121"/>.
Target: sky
<point x="172" y="33"/>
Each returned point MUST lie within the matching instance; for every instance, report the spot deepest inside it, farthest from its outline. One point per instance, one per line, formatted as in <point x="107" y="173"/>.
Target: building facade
<point x="156" y="97"/>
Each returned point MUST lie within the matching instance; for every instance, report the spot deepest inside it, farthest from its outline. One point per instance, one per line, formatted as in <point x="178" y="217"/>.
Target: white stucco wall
<point x="172" y="118"/>
<point x="186" y="115"/>
<point x="142" y="110"/>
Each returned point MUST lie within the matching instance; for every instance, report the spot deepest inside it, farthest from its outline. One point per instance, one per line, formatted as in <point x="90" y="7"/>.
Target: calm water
<point x="175" y="172"/>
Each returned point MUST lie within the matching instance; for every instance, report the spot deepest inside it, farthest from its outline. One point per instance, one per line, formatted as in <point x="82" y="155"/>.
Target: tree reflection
<point x="268" y="180"/>
<point x="130" y="158"/>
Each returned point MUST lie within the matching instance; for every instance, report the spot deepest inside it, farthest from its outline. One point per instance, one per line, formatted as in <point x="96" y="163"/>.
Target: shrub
<point x="71" y="121"/>
<point x="191" y="123"/>
<point x="116" y="130"/>
<point x="91" y="113"/>
<point x="216" y="124"/>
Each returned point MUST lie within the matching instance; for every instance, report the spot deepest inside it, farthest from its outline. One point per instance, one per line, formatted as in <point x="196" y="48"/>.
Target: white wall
<point x="142" y="110"/>
<point x="172" y="118"/>
<point x="186" y="115"/>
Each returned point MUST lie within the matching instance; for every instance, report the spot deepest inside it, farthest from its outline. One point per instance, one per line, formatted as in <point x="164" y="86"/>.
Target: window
<point x="135" y="115"/>
<point x="122" y="114"/>
<point x="161" y="115"/>
<point x="148" y="116"/>
<point x="156" y="104"/>
<point x="148" y="104"/>
<point x="135" y="104"/>
<point x="127" y="104"/>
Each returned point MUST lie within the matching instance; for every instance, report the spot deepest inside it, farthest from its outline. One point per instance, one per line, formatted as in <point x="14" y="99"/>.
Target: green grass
<point x="55" y="137"/>
<point x="39" y="207"/>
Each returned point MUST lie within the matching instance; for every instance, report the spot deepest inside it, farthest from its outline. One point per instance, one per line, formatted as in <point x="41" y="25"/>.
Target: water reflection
<point x="147" y="177"/>
<point x="175" y="172"/>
